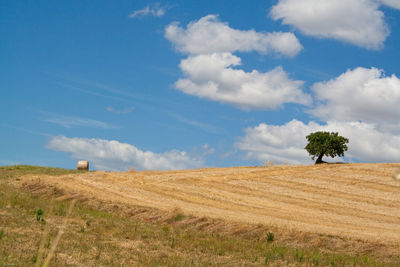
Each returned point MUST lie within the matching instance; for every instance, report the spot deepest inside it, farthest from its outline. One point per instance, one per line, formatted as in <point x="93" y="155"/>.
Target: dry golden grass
<point x="148" y="218"/>
<point x="347" y="201"/>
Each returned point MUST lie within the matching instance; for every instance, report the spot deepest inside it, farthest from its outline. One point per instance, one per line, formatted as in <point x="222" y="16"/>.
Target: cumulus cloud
<point x="213" y="77"/>
<point x="211" y="72"/>
<point x="115" y="156"/>
<point x="361" y="104"/>
<point x="209" y="35"/>
<point x="391" y="3"/>
<point x="285" y="143"/>
<point x="358" y="22"/>
<point x="154" y="10"/>
<point x="360" y="95"/>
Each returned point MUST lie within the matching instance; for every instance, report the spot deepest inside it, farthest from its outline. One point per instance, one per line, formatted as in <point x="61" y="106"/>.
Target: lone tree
<point x="326" y="144"/>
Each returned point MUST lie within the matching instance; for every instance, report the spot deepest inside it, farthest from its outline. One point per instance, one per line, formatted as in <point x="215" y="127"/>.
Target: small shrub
<point x="270" y="237"/>
<point x="34" y="259"/>
<point x="39" y="213"/>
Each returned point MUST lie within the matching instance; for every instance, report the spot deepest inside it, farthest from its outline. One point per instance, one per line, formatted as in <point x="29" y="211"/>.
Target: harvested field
<point x="358" y="201"/>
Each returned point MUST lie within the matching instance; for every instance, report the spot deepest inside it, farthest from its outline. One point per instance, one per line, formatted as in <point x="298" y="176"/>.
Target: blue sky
<point x="187" y="84"/>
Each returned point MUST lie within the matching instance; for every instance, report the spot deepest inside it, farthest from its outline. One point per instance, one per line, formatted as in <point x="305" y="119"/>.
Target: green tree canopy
<point x="326" y="144"/>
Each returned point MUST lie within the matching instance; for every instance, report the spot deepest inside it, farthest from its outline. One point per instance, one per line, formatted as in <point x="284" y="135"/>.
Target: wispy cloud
<point x="103" y="90"/>
<point x="203" y="151"/>
<point x="132" y="95"/>
<point x="134" y="101"/>
<point x="69" y="121"/>
<point x="120" y="111"/>
<point x="154" y="10"/>
<point x="95" y="93"/>
<point x="79" y="83"/>
<point x="197" y="124"/>
<point x="24" y="130"/>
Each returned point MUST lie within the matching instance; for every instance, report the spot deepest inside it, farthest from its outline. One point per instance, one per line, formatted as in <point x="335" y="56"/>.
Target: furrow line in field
<point x="277" y="210"/>
<point x="384" y="184"/>
<point x="323" y="197"/>
<point x="318" y="188"/>
<point x="242" y="194"/>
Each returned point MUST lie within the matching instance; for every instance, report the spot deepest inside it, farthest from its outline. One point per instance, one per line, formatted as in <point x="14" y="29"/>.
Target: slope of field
<point x="44" y="221"/>
<point x="360" y="201"/>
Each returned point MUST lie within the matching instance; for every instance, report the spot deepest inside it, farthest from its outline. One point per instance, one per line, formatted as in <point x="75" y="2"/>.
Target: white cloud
<point x="391" y="3"/>
<point x="359" y="22"/>
<point x="209" y="35"/>
<point x="156" y="11"/>
<point x="361" y="104"/>
<point x="360" y="95"/>
<point x="212" y="76"/>
<point x="116" y="156"/>
<point x="69" y="122"/>
<point x="209" y="69"/>
<point x="285" y="143"/>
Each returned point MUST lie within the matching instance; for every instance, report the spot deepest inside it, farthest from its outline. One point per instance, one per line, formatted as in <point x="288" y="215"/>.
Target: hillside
<point x="346" y="208"/>
<point x="358" y="200"/>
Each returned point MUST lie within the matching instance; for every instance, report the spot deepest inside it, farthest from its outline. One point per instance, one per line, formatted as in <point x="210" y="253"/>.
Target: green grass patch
<point x="18" y="170"/>
<point x="179" y="217"/>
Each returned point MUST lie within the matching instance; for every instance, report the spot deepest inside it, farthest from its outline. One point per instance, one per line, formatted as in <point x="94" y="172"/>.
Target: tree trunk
<point x="319" y="159"/>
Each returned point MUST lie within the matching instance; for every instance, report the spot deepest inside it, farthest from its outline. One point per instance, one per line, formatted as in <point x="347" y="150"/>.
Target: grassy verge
<point x="29" y="224"/>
